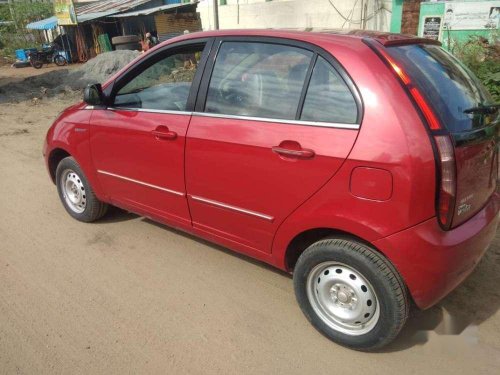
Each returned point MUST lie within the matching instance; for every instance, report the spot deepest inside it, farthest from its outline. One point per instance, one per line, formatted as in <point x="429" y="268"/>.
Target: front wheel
<point x="351" y="293"/>
<point x="76" y="194"/>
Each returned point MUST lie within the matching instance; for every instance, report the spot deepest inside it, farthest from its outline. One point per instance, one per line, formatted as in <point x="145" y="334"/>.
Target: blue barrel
<point x="22" y="54"/>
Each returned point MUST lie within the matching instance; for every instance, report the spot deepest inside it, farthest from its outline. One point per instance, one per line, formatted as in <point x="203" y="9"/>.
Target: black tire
<point x="128" y="46"/>
<point x="391" y="293"/>
<point x="93" y="208"/>
<point x="60" y="60"/>
<point x="124" y="39"/>
<point x="37" y="64"/>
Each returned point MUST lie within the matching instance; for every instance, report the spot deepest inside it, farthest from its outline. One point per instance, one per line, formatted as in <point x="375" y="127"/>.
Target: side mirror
<point x="92" y="95"/>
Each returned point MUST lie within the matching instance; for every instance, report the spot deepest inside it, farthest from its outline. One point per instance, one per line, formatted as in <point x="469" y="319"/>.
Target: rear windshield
<point x="449" y="86"/>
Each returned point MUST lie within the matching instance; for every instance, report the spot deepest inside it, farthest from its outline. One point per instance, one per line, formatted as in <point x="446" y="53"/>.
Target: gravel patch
<point x="64" y="81"/>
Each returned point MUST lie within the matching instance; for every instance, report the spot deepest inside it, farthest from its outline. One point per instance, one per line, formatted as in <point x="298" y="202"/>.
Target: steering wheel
<point x="233" y="95"/>
<point x="180" y="91"/>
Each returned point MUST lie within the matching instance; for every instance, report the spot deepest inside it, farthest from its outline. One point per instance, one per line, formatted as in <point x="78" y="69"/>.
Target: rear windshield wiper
<point x="488" y="109"/>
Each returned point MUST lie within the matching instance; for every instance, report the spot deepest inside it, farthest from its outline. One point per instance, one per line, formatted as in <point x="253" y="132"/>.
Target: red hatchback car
<point x="364" y="163"/>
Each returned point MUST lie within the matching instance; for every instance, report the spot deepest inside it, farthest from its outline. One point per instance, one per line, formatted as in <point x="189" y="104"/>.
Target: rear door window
<point x="257" y="80"/>
<point x="448" y="85"/>
<point x="328" y="98"/>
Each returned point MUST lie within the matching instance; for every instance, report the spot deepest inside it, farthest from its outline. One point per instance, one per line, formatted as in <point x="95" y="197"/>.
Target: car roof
<point x="384" y="38"/>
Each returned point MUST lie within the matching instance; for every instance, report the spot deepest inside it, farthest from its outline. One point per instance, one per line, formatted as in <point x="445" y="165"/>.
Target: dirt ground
<point x="126" y="295"/>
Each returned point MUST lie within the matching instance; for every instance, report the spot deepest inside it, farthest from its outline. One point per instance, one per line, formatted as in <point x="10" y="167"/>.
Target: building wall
<point x="397" y="13"/>
<point x="448" y="37"/>
<point x="297" y="14"/>
<point x="409" y="19"/>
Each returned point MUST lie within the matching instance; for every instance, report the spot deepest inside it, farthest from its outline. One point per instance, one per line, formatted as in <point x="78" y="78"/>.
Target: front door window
<point x="164" y="85"/>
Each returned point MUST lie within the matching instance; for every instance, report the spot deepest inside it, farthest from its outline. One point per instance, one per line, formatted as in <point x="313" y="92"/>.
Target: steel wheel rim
<point x="73" y="191"/>
<point x="343" y="298"/>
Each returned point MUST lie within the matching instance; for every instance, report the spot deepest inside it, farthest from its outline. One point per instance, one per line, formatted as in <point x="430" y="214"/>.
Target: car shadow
<point x="472" y="303"/>
<point x="116" y="215"/>
<point x="217" y="247"/>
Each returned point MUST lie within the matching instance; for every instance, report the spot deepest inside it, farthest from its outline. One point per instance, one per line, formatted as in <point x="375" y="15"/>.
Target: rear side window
<point x="328" y="98"/>
<point x="257" y="80"/>
<point x="448" y="85"/>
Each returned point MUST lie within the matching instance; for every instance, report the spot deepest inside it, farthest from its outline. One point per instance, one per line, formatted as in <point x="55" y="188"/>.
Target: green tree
<point x="482" y="56"/>
<point x="21" y="12"/>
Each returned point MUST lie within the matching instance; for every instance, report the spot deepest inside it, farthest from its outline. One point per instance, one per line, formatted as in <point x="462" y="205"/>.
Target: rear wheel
<point x="60" y="60"/>
<point x="76" y="194"/>
<point x="351" y="293"/>
<point x="37" y="64"/>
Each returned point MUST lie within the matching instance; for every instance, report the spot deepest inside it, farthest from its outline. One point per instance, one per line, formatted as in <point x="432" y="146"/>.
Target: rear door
<point x="462" y="105"/>
<point x="273" y="122"/>
<point x="138" y="141"/>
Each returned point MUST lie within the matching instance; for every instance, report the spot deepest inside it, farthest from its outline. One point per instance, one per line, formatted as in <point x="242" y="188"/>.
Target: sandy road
<point x="126" y="295"/>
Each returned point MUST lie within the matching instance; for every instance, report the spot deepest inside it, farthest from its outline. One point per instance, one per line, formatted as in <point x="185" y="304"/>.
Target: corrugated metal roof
<point x="113" y="6"/>
<point x="92" y="16"/>
<point x="146" y="12"/>
<point x="45" y="24"/>
<point x="102" y="9"/>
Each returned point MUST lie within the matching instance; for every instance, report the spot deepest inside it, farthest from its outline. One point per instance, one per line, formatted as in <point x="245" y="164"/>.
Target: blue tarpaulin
<point x="46" y="24"/>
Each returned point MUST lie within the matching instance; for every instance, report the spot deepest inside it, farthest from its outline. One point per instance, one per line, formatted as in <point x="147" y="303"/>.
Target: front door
<point x="138" y="142"/>
<point x="259" y="146"/>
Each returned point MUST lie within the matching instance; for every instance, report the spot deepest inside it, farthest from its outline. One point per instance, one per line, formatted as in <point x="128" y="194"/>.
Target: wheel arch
<point x="306" y="238"/>
<point x="61" y="151"/>
<point x="55" y="157"/>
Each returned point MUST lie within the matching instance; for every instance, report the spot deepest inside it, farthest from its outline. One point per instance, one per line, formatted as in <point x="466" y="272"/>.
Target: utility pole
<point x="216" y="14"/>
<point x="362" y="26"/>
<point x="12" y="14"/>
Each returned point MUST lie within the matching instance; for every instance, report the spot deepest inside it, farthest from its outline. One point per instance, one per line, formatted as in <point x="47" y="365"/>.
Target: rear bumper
<point x="432" y="261"/>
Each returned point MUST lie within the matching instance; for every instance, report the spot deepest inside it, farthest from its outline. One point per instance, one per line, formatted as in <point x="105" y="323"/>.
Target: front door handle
<point x="162" y="132"/>
<point x="301" y="154"/>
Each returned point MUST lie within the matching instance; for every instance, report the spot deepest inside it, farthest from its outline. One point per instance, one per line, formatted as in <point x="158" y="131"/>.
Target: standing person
<point x="151" y="40"/>
<point x="148" y="42"/>
<point x="154" y="36"/>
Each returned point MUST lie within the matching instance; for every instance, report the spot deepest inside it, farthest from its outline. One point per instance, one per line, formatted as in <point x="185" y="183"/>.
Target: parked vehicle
<point x="365" y="164"/>
<point x="46" y="56"/>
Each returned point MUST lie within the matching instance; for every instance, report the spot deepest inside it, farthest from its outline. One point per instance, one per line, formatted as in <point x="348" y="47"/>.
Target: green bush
<point x="15" y="35"/>
<point x="482" y="56"/>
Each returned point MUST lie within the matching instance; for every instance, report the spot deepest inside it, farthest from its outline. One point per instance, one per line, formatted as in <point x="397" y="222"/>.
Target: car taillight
<point x="419" y="100"/>
<point x="448" y="184"/>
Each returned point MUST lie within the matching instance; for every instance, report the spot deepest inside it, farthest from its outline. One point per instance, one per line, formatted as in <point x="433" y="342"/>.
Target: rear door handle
<point x="301" y="154"/>
<point x="162" y="132"/>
